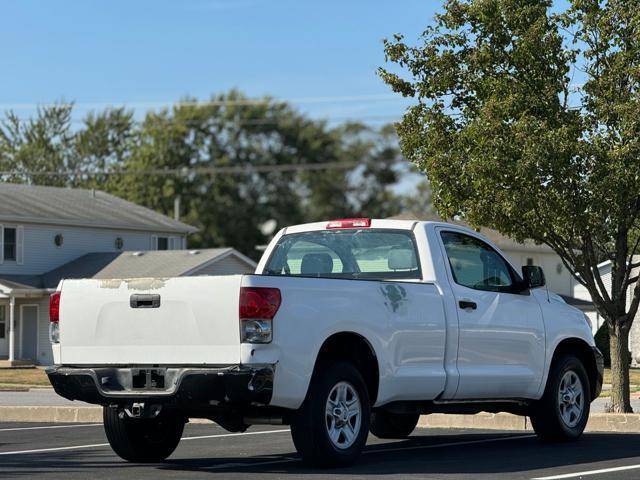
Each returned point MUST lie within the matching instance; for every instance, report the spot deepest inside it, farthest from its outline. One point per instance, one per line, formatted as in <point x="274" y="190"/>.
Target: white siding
<point x="229" y="265"/>
<point x="634" y="334"/>
<point x="45" y="354"/>
<point x="41" y="255"/>
<point x="560" y="283"/>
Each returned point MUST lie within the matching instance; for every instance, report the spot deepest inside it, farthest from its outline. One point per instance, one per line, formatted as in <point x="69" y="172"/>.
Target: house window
<point x="163" y="243"/>
<point x="9" y="248"/>
<point x="3" y="321"/>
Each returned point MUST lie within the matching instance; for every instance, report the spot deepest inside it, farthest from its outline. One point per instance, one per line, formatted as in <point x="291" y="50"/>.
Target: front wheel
<point x="331" y="427"/>
<point x="142" y="440"/>
<point x="563" y="411"/>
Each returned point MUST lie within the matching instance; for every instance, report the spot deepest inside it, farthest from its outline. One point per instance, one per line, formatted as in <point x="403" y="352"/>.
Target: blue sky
<point x="147" y="53"/>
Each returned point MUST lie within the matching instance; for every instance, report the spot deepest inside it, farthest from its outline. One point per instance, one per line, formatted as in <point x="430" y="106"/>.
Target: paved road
<point x="79" y="452"/>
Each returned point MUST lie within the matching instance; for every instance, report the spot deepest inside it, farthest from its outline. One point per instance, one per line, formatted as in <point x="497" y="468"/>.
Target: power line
<point x="212" y="103"/>
<point x="186" y="171"/>
<point x="232" y="121"/>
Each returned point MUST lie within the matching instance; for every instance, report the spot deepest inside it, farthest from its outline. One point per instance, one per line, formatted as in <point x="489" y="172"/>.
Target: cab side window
<point x="475" y="264"/>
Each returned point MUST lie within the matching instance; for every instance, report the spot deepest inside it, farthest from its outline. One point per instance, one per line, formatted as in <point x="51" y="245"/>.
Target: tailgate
<point x="176" y="321"/>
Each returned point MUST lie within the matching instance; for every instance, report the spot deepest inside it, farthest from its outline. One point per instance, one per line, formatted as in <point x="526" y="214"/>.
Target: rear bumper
<point x="599" y="358"/>
<point x="183" y="387"/>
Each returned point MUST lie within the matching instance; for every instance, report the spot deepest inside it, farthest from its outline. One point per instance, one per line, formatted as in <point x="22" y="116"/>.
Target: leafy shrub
<point x="602" y="342"/>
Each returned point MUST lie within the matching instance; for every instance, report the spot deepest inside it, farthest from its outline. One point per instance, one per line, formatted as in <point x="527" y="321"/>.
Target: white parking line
<point x="55" y="449"/>
<point x="53" y="426"/>
<point x="262" y="432"/>
<point x="589" y="472"/>
<point x="97" y="445"/>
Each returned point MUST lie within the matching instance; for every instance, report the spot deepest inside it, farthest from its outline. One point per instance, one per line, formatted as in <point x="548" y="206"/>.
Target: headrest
<point x="402" y="259"/>
<point x="315" y="263"/>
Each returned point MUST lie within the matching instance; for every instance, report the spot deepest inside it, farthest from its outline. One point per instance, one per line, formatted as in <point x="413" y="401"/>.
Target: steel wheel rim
<point x="571" y="399"/>
<point x="343" y="415"/>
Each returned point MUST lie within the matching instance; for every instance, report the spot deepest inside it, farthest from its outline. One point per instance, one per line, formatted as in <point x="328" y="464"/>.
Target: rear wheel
<point x="393" y="425"/>
<point x="142" y="440"/>
<point x="331" y="427"/>
<point x="563" y="411"/>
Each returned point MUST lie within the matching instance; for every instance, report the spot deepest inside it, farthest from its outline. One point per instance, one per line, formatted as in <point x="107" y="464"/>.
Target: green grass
<point x="634" y="376"/>
<point x="32" y="377"/>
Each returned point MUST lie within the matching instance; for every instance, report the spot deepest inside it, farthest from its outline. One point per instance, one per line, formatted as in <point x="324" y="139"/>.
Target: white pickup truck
<point x="347" y="326"/>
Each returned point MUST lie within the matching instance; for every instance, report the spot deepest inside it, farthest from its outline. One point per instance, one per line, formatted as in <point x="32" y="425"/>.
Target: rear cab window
<point x="377" y="254"/>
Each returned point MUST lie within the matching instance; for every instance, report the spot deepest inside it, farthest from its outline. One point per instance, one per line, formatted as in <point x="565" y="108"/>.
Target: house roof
<point x="584" y="305"/>
<point x="80" y="207"/>
<point x="502" y="241"/>
<point x="163" y="263"/>
<point x="21" y="282"/>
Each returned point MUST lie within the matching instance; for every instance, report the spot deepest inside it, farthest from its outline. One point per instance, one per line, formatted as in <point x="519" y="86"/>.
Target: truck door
<point x="501" y="332"/>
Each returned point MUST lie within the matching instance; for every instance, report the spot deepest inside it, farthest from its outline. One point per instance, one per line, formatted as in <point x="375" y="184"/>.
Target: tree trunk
<point x="619" y="344"/>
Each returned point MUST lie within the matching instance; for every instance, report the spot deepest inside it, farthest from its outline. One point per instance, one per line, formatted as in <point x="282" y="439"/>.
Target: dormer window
<point x="166" y="243"/>
<point x="10" y="246"/>
<point x="163" y="243"/>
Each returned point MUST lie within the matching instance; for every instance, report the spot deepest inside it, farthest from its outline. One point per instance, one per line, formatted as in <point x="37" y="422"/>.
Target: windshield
<point x="353" y="253"/>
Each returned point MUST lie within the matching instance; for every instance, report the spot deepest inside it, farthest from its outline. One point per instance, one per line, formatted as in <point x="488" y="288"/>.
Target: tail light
<point x="258" y="306"/>
<point x="54" y="317"/>
<point x="349" y="223"/>
<point x="54" y="307"/>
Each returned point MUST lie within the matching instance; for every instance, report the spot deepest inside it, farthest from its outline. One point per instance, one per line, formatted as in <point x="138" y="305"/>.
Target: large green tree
<point x="41" y="144"/>
<point x="229" y="160"/>
<point x="509" y="141"/>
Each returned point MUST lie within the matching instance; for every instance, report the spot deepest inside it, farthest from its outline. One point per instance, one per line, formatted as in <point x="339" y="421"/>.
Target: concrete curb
<point x="491" y="421"/>
<point x="51" y="414"/>
<point x="598" y="422"/>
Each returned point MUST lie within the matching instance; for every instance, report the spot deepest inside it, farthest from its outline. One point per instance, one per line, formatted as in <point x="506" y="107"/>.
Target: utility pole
<point x="176" y="207"/>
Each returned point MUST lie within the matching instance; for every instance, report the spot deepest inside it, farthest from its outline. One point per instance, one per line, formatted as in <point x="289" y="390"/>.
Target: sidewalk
<point x="598" y="405"/>
<point x="37" y="398"/>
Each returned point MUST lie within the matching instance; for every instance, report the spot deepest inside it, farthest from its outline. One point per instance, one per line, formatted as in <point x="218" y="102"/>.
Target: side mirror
<point x="533" y="276"/>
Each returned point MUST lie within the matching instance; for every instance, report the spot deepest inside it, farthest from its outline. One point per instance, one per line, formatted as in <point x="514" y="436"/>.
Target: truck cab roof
<point x="373" y="223"/>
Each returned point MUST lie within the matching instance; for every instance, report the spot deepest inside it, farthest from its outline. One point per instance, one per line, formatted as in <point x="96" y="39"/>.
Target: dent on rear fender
<point x="395" y="298"/>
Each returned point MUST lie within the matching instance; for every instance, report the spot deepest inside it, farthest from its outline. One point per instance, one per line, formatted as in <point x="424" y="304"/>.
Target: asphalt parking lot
<point x="76" y="451"/>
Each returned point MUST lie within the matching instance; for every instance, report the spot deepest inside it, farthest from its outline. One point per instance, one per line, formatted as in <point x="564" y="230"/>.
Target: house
<point x="580" y="291"/>
<point x="49" y="233"/>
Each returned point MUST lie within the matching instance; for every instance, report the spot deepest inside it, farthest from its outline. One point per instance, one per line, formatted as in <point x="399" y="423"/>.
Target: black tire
<point x="310" y="426"/>
<point x="142" y="440"/>
<point x="548" y="416"/>
<point x="393" y="425"/>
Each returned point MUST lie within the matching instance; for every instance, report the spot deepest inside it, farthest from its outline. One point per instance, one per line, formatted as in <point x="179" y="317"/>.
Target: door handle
<point x="464" y="304"/>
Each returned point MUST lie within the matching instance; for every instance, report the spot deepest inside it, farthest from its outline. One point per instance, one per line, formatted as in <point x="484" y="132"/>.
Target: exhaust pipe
<point x="264" y="420"/>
